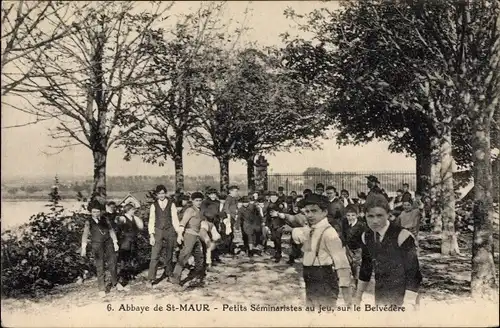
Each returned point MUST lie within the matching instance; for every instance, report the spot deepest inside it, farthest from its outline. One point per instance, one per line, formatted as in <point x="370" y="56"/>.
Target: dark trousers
<point x="169" y="236"/>
<point x="322" y="286"/>
<point x="276" y="234"/>
<point x="101" y="251"/>
<point x="252" y="233"/>
<point x="226" y="244"/>
<point x="296" y="251"/>
<point x="126" y="259"/>
<point x="192" y="245"/>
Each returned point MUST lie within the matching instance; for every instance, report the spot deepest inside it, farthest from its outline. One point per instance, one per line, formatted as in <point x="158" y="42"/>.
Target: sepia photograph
<point x="250" y="163"/>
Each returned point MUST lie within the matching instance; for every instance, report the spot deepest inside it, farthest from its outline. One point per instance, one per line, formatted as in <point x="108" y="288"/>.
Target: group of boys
<point x="206" y="226"/>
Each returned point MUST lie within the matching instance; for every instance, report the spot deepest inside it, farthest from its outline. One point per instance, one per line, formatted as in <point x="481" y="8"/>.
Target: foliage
<point x="170" y="102"/>
<point x="45" y="253"/>
<point x="407" y="43"/>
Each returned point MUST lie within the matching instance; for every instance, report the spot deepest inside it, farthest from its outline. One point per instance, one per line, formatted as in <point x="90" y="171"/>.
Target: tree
<point x="171" y="102"/>
<point x="85" y="80"/>
<point x="54" y="198"/>
<point x="24" y="34"/>
<point x="280" y="113"/>
<point x="419" y="59"/>
<point x="481" y="95"/>
<point x="348" y="46"/>
<point x="219" y="125"/>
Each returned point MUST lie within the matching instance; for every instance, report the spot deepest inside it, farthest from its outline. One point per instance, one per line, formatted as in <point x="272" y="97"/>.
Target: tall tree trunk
<point x="99" y="187"/>
<point x="251" y="173"/>
<point x="178" y="164"/>
<point x="424" y="166"/>
<point x="495" y="143"/>
<point x="449" y="244"/>
<point x="224" y="173"/>
<point x="483" y="282"/>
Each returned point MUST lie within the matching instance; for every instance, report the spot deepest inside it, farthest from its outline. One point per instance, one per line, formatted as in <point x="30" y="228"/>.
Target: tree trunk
<point x="178" y="164"/>
<point x="449" y="244"/>
<point x="436" y="221"/>
<point x="99" y="187"/>
<point x="495" y="143"/>
<point x="424" y="167"/>
<point x="224" y="173"/>
<point x="251" y="173"/>
<point x="483" y="284"/>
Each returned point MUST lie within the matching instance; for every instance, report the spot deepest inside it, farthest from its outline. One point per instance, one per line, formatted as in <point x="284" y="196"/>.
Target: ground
<point x="243" y="281"/>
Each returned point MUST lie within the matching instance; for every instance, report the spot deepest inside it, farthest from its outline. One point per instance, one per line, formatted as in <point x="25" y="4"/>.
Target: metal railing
<point x="353" y="182"/>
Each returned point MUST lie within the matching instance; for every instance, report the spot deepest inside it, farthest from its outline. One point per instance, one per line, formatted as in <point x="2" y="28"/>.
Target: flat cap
<point x="273" y="193"/>
<point x="372" y="178"/>
<point x="315" y="199"/>
<point x="197" y="195"/>
<point x="244" y="199"/>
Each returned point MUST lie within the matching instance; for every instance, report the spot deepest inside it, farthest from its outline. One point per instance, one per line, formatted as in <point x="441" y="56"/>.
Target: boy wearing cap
<point x="336" y="210"/>
<point x="373" y="184"/>
<point x="320" y="189"/>
<point x="352" y="229"/>
<point x="163" y="227"/>
<point x="391" y="253"/>
<point x="129" y="226"/>
<point x="189" y="237"/>
<point x="252" y="224"/>
<point x="277" y="225"/>
<point x="281" y="195"/>
<point x="326" y="267"/>
<point x="104" y="245"/>
<point x="210" y="210"/>
<point x="229" y="221"/>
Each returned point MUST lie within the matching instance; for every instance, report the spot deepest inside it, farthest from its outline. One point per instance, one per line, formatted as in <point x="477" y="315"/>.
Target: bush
<point x="46" y="252"/>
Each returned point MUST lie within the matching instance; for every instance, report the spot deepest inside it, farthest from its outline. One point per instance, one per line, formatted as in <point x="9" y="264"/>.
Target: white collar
<point x="322" y="223"/>
<point x="384" y="230"/>
<point x="355" y="221"/>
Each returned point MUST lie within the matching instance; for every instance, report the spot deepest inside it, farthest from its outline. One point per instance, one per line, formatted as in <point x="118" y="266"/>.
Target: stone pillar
<point x="261" y="166"/>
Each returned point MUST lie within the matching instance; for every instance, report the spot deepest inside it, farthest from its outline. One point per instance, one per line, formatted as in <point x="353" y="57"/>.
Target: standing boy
<point x="229" y="221"/>
<point x="391" y="253"/>
<point x="252" y="224"/>
<point x="129" y="225"/>
<point x="336" y="210"/>
<point x="210" y="210"/>
<point x="104" y="245"/>
<point x="326" y="267"/>
<point x="189" y="237"/>
<point x="163" y="228"/>
<point x="276" y="223"/>
<point x="281" y="194"/>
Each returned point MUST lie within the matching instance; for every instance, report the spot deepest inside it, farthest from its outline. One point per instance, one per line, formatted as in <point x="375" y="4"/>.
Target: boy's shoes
<point x="151" y="284"/>
<point x="290" y="261"/>
<point x="277" y="259"/>
<point x="102" y="294"/>
<point x="175" y="280"/>
<point x="121" y="288"/>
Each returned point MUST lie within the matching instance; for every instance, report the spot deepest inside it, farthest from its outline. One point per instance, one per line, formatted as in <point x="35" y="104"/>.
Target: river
<point x="15" y="213"/>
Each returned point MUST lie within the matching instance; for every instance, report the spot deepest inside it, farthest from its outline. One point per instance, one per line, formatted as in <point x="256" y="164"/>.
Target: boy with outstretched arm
<point x="104" y="245"/>
<point x="129" y="226"/>
<point x="326" y="267"/>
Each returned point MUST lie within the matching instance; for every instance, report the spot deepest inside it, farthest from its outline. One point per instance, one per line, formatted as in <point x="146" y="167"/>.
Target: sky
<point x="26" y="150"/>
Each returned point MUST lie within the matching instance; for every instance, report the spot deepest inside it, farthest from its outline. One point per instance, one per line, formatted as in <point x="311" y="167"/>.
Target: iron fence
<point x="353" y="182"/>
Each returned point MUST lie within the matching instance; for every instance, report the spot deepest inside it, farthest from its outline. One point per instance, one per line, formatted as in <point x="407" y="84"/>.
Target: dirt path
<point x="242" y="282"/>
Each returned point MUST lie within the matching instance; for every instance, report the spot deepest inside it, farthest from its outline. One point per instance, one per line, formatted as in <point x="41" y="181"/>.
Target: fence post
<point x="286" y="186"/>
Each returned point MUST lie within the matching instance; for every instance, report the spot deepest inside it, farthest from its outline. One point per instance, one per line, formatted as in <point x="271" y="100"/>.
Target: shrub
<point x="46" y="252"/>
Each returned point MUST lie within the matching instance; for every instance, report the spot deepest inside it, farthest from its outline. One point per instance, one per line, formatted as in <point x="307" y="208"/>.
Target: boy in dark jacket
<point x="352" y="228"/>
<point x="128" y="226"/>
<point x="391" y="253"/>
<point x="252" y="224"/>
<point x="275" y="223"/>
<point x="104" y="245"/>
